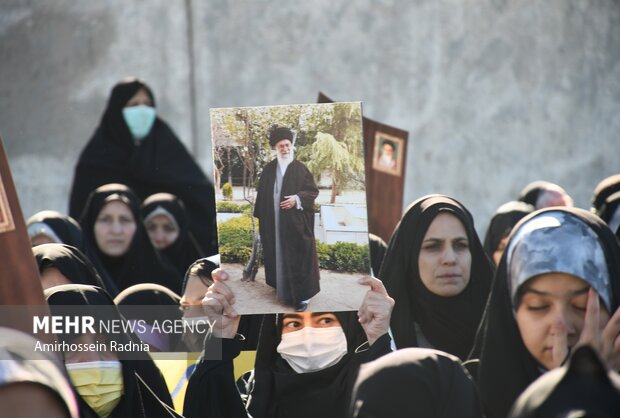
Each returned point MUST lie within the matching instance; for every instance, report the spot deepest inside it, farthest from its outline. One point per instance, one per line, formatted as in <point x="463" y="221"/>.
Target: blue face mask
<point x="139" y="120"/>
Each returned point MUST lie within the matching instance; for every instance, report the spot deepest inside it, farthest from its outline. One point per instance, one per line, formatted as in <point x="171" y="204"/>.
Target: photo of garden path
<point x="339" y="292"/>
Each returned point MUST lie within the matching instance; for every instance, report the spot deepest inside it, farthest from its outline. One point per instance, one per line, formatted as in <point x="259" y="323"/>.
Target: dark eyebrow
<point x="540" y="293"/>
<point x="292" y="315"/>
<point x="315" y="314"/>
<point x="581" y="291"/>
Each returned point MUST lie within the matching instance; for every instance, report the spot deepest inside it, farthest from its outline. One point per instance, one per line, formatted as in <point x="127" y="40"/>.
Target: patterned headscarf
<point x="557" y="242"/>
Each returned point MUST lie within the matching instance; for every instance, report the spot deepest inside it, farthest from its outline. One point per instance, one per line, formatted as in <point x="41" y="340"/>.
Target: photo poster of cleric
<point x="291" y="206"/>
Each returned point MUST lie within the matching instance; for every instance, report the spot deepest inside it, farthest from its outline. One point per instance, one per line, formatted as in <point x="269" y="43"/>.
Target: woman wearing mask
<point x="306" y="362"/>
<point x="133" y="146"/>
<point x="108" y="386"/>
<point x="117" y="243"/>
<point x="439" y="275"/>
<point x="557" y="285"/>
<point x="167" y="224"/>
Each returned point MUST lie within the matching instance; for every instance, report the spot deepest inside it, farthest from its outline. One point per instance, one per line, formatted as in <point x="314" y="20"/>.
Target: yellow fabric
<point x="100" y="387"/>
<point x="176" y="372"/>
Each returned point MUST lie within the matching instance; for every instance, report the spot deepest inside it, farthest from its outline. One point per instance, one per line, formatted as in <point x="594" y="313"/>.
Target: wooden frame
<point x="393" y="166"/>
<point x="6" y="217"/>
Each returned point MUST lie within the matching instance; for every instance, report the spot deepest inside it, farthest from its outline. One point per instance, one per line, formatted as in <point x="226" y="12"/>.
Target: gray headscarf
<point x="557" y="242"/>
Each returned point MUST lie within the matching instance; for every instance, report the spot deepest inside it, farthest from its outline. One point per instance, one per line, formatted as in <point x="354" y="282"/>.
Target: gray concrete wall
<point x="495" y="93"/>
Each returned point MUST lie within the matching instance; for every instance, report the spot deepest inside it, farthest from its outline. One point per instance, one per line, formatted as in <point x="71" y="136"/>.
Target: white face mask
<point x="312" y="349"/>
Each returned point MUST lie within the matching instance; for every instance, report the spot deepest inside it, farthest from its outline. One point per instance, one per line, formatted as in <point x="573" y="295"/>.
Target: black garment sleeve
<point x="380" y="348"/>
<point x="211" y="391"/>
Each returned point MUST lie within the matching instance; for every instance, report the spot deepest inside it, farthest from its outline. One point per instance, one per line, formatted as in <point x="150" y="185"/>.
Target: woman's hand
<point x="376" y="310"/>
<point x="599" y="332"/>
<point x="217" y="305"/>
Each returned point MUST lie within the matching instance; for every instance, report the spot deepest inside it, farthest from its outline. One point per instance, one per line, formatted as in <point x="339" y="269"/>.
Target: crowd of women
<point x="526" y="325"/>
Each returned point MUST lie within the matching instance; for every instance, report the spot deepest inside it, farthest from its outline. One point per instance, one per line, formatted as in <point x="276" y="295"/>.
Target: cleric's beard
<point x="283" y="162"/>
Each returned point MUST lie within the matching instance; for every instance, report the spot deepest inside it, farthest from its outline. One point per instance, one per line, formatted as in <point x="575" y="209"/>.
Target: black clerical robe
<point x="300" y="267"/>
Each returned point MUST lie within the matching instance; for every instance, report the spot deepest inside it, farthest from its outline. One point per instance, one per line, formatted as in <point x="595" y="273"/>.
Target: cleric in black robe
<point x="422" y="318"/>
<point x="140" y="263"/>
<point x="285" y="209"/>
<point x="157" y="162"/>
<point x="72" y="263"/>
<point x="51" y="226"/>
<point x="415" y="382"/>
<point x="144" y="391"/>
<point x="582" y="388"/>
<point x="185" y="249"/>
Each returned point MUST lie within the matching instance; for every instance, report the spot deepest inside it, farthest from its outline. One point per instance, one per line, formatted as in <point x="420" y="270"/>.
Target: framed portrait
<point x="387" y="154"/>
<point x="6" y="218"/>
<point x="291" y="199"/>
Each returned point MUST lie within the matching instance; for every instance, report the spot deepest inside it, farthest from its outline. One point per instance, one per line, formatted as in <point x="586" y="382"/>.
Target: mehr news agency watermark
<point x="88" y="325"/>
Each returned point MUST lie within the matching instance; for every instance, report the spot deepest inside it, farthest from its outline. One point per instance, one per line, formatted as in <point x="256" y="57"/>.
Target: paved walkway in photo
<point x="339" y="292"/>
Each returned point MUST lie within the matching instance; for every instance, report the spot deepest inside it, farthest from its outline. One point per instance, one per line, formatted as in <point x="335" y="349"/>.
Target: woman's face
<point x="444" y="262"/>
<point x="162" y="231"/>
<point x="299" y="320"/>
<point x="550" y="301"/>
<point x="140" y="98"/>
<point x="114" y="229"/>
<point x="191" y="301"/>
<point x="51" y="277"/>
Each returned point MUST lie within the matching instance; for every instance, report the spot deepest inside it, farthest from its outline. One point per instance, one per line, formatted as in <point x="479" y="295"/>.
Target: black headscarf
<point x="72" y="263"/>
<point x="378" y="247"/>
<point x="281" y="392"/>
<point x="448" y="323"/>
<point x="531" y="192"/>
<point x="505" y="217"/>
<point x="65" y="227"/>
<point x="184" y="250"/>
<point x="415" y="382"/>
<point x="583" y="388"/>
<point x="152" y="303"/>
<point x="602" y="191"/>
<point x="141" y="264"/>
<point x="157" y="163"/>
<point x="145" y="392"/>
<point x="506" y="366"/>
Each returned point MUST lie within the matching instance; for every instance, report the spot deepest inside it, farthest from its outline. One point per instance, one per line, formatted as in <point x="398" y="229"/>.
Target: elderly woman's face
<point x="444" y="262"/>
<point x="114" y="229"/>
